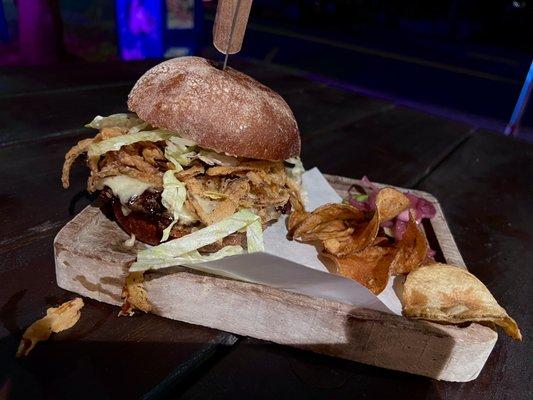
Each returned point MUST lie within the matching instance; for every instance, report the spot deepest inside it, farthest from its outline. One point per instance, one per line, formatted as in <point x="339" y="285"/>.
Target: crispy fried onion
<point x="57" y="319"/>
<point x="222" y="190"/>
<point x="214" y="192"/>
<point x="134" y="295"/>
<point x="81" y="147"/>
<point x="142" y="160"/>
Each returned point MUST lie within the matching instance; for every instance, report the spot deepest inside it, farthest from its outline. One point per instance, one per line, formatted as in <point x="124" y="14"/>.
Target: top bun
<point x="226" y="111"/>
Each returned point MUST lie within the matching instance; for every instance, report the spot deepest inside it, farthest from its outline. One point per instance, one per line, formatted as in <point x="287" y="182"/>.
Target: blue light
<point x="140" y="29"/>
<point x="158" y="28"/>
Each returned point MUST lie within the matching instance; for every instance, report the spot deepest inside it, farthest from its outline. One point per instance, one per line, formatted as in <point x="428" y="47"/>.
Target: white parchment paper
<point x="296" y="267"/>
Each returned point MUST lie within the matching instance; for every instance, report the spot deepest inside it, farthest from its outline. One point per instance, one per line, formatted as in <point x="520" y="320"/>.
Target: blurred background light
<point x="465" y="59"/>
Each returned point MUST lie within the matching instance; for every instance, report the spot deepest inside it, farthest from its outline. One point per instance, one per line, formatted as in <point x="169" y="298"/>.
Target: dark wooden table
<point x="483" y="180"/>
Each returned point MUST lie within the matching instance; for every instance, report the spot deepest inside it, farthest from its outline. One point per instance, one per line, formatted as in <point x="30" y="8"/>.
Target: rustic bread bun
<point x="226" y="111"/>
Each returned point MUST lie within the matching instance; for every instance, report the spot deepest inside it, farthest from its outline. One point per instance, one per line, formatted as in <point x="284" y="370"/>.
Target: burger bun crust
<point x="222" y="110"/>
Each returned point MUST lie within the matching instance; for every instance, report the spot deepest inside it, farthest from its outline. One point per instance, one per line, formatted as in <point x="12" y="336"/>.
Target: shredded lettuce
<point x="295" y="172"/>
<point x="176" y="139"/>
<point x="254" y="237"/>
<point x="213" y="158"/>
<point x="172" y="152"/>
<point x="191" y="258"/>
<point x="200" y="238"/>
<point x="120" y="120"/>
<point x="182" y="250"/>
<point x="115" y="143"/>
<point x="139" y="128"/>
<point x="185" y="217"/>
<point x="179" y="154"/>
<point x="183" y="153"/>
<point x="138" y="131"/>
<point x="172" y="198"/>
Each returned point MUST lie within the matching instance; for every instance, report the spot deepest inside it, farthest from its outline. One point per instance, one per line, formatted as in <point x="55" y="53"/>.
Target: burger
<point x="200" y="148"/>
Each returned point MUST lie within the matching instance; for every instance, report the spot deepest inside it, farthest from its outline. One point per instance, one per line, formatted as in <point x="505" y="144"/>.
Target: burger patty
<point x="145" y="227"/>
<point x="149" y="202"/>
<point x="145" y="217"/>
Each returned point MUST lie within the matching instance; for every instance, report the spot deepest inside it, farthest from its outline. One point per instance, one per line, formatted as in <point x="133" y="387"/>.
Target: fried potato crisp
<point x="328" y="230"/>
<point x="294" y="219"/>
<point x="369" y="267"/>
<point x="327" y="213"/>
<point x="350" y="239"/>
<point x="134" y="295"/>
<point x="57" y="319"/>
<point x="362" y="237"/>
<point x="449" y="294"/>
<point x="412" y="249"/>
<point x="389" y="203"/>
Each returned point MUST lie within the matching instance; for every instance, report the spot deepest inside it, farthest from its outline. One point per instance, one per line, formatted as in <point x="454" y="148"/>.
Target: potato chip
<point x="449" y="294"/>
<point x="390" y="203"/>
<point x="412" y="248"/>
<point x="327" y="230"/>
<point x="326" y="213"/>
<point x="381" y="241"/>
<point x="295" y="218"/>
<point x="360" y="239"/>
<point x="369" y="267"/>
<point x="57" y="319"/>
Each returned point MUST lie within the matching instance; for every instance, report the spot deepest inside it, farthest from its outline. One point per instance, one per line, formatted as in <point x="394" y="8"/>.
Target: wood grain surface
<point x="482" y="180"/>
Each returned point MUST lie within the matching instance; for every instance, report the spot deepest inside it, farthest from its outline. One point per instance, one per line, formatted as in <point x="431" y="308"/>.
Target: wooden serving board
<point x="92" y="261"/>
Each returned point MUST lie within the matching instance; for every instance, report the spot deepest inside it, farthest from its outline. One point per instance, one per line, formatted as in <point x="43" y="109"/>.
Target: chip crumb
<point x="134" y="295"/>
<point x="57" y="319"/>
